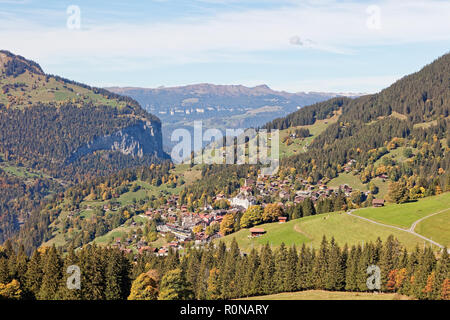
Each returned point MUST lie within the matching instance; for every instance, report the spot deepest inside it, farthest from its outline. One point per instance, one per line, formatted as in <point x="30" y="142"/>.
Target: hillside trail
<point x="410" y="230"/>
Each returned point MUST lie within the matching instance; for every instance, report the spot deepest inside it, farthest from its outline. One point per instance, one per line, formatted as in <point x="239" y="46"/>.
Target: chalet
<point x="219" y="212"/>
<point x="299" y="199"/>
<point x="303" y="193"/>
<point x="148" y="213"/>
<point x="249" y="182"/>
<point x="147" y="249"/>
<point x="346" y="188"/>
<point x="246" y="190"/>
<point x="378" y="202"/>
<point x="282" y="219"/>
<point x="220" y="196"/>
<point x="162" y="252"/>
<point x="283" y="194"/>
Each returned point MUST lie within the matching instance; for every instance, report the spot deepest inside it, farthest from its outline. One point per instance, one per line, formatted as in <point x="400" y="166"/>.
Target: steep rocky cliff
<point x="143" y="138"/>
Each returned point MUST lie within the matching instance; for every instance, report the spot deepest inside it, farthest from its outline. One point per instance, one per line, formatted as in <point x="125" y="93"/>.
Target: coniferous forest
<point x="218" y="272"/>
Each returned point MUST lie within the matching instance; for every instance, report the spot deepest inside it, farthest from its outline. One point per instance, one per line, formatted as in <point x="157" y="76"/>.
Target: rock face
<point x="143" y="138"/>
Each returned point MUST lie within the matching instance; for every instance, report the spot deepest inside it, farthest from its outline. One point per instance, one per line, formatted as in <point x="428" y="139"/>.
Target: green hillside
<point x="436" y="228"/>
<point x="24" y="83"/>
<point x="403" y="215"/>
<point x="351" y="230"/>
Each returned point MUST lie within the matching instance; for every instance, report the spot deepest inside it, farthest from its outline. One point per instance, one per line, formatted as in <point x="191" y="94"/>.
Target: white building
<point x="243" y="201"/>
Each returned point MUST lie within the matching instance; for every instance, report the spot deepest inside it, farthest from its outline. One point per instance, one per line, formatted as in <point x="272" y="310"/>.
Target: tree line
<point x="221" y="272"/>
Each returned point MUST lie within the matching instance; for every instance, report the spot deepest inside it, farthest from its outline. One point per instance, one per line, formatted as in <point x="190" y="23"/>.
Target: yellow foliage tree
<point x="10" y="291"/>
<point x="145" y="287"/>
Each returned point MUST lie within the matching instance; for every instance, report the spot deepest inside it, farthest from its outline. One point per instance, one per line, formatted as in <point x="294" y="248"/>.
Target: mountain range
<point x="218" y="106"/>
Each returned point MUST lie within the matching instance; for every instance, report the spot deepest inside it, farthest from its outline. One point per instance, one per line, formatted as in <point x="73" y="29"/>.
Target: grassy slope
<point x="403" y="215"/>
<point x="300" y="145"/>
<point x="328" y="295"/>
<point x="51" y="91"/>
<point x="355" y="182"/>
<point x="297" y="145"/>
<point x="349" y="179"/>
<point x="436" y="228"/>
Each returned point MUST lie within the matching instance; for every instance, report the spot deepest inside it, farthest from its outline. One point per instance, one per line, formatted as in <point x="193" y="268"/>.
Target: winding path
<point x="410" y="230"/>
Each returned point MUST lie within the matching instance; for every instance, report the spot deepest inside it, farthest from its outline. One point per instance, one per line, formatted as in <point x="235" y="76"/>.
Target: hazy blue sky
<point x="309" y="45"/>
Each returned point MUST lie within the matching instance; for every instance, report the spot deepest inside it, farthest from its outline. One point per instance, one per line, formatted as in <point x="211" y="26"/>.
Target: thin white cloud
<point x="336" y="27"/>
<point x="247" y="36"/>
<point x="364" y="84"/>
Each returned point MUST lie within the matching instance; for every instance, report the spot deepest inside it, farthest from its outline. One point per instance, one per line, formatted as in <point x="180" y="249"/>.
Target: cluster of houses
<point x="177" y="220"/>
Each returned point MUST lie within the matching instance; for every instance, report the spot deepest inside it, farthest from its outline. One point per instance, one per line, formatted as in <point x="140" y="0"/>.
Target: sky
<point x="293" y="45"/>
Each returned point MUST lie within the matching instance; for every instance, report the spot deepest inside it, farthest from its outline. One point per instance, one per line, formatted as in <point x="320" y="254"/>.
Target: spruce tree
<point x="290" y="279"/>
<point x="281" y="269"/>
<point x="174" y="286"/>
<point x="51" y="278"/>
<point x="33" y="276"/>
<point x="321" y="265"/>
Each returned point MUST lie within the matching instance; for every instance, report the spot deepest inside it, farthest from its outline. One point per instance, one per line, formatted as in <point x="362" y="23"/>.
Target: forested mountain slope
<point x="56" y="125"/>
<point x="54" y="132"/>
<point x="412" y="113"/>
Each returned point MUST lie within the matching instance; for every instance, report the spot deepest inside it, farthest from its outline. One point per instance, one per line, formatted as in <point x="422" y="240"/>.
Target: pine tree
<point x="351" y="269"/>
<point x="442" y="273"/>
<point x="335" y="276"/>
<point x="213" y="288"/>
<point x="174" y="286"/>
<point x="427" y="262"/>
<point x="321" y="265"/>
<point x="33" y="276"/>
<point x="361" y="268"/>
<point x="268" y="270"/>
<point x="4" y="272"/>
<point x="21" y="264"/>
<point x="51" y="278"/>
<point x="64" y="292"/>
<point x="389" y="259"/>
<point x="290" y="279"/>
<point x="308" y="207"/>
<point x="228" y="272"/>
<point x="117" y="276"/>
<point x="281" y="269"/>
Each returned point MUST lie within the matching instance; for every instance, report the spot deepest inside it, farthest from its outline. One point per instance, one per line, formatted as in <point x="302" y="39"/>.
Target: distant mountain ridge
<point x="220" y="89"/>
<point x="218" y="106"/>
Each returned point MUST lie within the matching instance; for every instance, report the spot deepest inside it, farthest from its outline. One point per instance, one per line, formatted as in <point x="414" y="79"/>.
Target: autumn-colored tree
<point x="391" y="280"/>
<point x="197" y="229"/>
<point x="145" y="287"/>
<point x="398" y="192"/>
<point x="10" y="291"/>
<point x="227" y="224"/>
<point x="252" y="216"/>
<point x="271" y="212"/>
<point x="213" y="292"/>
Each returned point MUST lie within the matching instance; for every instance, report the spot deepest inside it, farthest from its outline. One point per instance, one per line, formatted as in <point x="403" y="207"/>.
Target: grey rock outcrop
<point x="142" y="138"/>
